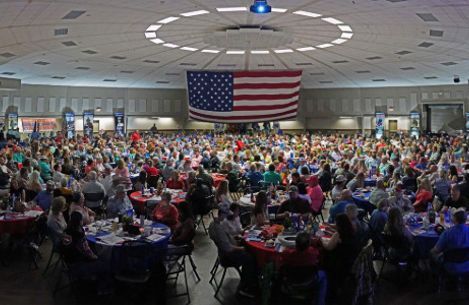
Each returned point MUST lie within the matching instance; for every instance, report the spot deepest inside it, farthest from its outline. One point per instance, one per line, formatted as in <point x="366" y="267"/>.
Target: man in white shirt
<point x="93" y="187"/>
<point x="118" y="204"/>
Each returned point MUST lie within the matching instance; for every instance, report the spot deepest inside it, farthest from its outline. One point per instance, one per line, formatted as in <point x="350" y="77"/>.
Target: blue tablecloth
<point x="112" y="253"/>
<point x="363" y="202"/>
<point x="423" y="241"/>
<point x="371" y="182"/>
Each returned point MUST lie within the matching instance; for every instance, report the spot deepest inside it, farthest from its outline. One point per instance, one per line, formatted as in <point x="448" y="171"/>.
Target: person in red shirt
<point x="151" y="169"/>
<point x="424" y="196"/>
<point x="165" y="212"/>
<point x="175" y="182"/>
<point x="135" y="137"/>
<point x="307" y="258"/>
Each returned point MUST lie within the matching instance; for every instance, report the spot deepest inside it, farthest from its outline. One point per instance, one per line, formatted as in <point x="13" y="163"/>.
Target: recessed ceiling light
<point x="210" y="51"/>
<point x="307" y="14"/>
<point x="345" y="28"/>
<point x="168" y="20"/>
<point x="260" y="52"/>
<point x="235" y="52"/>
<point x="157" y="41"/>
<point x="189" y="49"/>
<point x="346" y="35"/>
<point x="153" y="28"/>
<point x="283" y="51"/>
<point x="195" y="13"/>
<point x="325" y="45"/>
<point x="232" y="9"/>
<point x="339" y="41"/>
<point x="279" y="10"/>
<point x="332" y="20"/>
<point x="304" y="49"/>
<point x="150" y="35"/>
<point x="171" y="45"/>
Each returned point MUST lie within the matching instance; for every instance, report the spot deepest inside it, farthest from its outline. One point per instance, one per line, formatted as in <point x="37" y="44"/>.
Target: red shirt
<point x="153" y="171"/>
<point x="291" y="257"/>
<point x="175" y="185"/>
<point x="135" y="137"/>
<point x="422" y="198"/>
<point x="167" y="214"/>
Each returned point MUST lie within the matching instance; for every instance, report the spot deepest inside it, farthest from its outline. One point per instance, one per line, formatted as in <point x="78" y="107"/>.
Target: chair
<point x="176" y="264"/>
<point x="318" y="214"/>
<point x="135" y="262"/>
<point x="455" y="265"/>
<point x="364" y="276"/>
<point x="298" y="282"/>
<point x="220" y="261"/>
<point x="30" y="195"/>
<point x="396" y="255"/>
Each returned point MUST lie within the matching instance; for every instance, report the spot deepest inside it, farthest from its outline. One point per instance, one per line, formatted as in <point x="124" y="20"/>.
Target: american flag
<point x="243" y="96"/>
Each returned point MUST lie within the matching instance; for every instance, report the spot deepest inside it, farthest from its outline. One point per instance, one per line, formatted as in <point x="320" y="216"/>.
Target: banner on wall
<point x="88" y="118"/>
<point x="467" y="121"/>
<point x="13" y="121"/>
<point x="39" y="125"/>
<point x="415" y="125"/>
<point x="119" y="123"/>
<point x="219" y="127"/>
<point x="69" y="124"/>
<point x="379" y="129"/>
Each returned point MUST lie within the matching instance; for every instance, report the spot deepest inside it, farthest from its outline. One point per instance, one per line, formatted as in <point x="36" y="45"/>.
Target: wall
<point x="319" y="108"/>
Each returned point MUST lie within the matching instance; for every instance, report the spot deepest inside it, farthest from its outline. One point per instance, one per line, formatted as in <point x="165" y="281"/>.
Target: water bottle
<point x="431" y="213"/>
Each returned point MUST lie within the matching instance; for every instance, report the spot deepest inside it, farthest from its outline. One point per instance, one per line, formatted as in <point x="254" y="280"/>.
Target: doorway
<point x="392" y="125"/>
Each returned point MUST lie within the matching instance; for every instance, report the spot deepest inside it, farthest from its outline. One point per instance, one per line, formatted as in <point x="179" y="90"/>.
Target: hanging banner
<point x="467" y="121"/>
<point x="38" y="125"/>
<point x="13" y="121"/>
<point x="70" y="124"/>
<point x="119" y="123"/>
<point x="88" y="118"/>
<point x="380" y="119"/>
<point x="415" y="125"/>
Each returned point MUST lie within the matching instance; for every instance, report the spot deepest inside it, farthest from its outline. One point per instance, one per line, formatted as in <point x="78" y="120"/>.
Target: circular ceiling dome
<point x="249" y="38"/>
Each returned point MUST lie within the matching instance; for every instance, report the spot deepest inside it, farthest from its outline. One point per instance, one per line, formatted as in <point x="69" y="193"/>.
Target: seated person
<point x="305" y="256"/>
<point x="254" y="176"/>
<point x="399" y="237"/>
<point x="185" y="230"/>
<point x="456" y="200"/>
<point x="456" y="237"/>
<point x="293" y="205"/>
<point x="361" y="228"/>
<point x="339" y="207"/>
<point x="175" y="182"/>
<point x="222" y="198"/>
<point x="56" y="223"/>
<point x="379" y="193"/>
<point x="316" y="194"/>
<point x="399" y="200"/>
<point x="44" y="198"/>
<point x="271" y="177"/>
<point x="261" y="210"/>
<point x="231" y="253"/>
<point x="423" y="196"/>
<point x="78" y="205"/>
<point x="118" y="204"/>
<point x="232" y="223"/>
<point x="204" y="176"/>
<point x="357" y="182"/>
<point x="165" y="212"/>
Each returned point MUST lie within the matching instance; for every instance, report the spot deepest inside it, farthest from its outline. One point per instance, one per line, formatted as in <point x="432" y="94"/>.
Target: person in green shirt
<point x="272" y="177"/>
<point x="46" y="172"/>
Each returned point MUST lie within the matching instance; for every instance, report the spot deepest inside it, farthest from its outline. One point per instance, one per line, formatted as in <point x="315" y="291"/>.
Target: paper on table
<point x="33" y="213"/>
<point x="111" y="239"/>
<point x="155" y="237"/>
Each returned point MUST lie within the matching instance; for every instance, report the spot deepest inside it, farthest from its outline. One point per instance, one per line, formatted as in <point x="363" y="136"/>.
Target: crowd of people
<point x="75" y="181"/>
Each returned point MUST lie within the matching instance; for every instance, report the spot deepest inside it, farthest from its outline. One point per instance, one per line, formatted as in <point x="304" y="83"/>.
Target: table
<point x="362" y="200"/>
<point x="18" y="224"/>
<point x="140" y="201"/>
<point x="108" y="244"/>
<point x="370" y="182"/>
<point x="245" y="201"/>
<point x="424" y="240"/>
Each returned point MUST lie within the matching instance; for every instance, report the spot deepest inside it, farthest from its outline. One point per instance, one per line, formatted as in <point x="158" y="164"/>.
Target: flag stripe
<point x="226" y="114"/>
<point x="238" y="86"/>
<point x="285" y="117"/>
<point x="265" y="107"/>
<point x="270" y="102"/>
<point x="247" y="117"/>
<point x="238" y="74"/>
<point x="266" y="80"/>
<point x="253" y="97"/>
<point x="270" y="91"/>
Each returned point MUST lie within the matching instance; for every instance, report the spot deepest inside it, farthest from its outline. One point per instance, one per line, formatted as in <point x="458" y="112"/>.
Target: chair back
<point x="299" y="275"/>
<point x="30" y="195"/>
<point x="152" y="181"/>
<point x="364" y="275"/>
<point x="135" y="257"/>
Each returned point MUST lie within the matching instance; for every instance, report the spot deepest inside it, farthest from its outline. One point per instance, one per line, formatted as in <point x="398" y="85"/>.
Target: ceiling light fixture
<point x="189" y="49"/>
<point x="346" y="35"/>
<point x="168" y="20"/>
<point x="283" y="51"/>
<point x="210" y="51"/>
<point x="260" y="7"/>
<point x="279" y="10"/>
<point x="345" y="28"/>
<point x="153" y="28"/>
<point x="235" y="52"/>
<point x="339" y="41"/>
<point x="195" y="13"/>
<point x="260" y="52"/>
<point x="171" y="45"/>
<point x="324" y="45"/>
<point x="150" y="35"/>
<point x="304" y="49"/>
<point x="332" y="20"/>
<point x="157" y="41"/>
<point x="98" y="109"/>
<point x="231" y="9"/>
<point x="307" y="14"/>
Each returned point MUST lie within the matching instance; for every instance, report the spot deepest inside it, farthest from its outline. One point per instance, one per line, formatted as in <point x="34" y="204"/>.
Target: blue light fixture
<point x="260" y="7"/>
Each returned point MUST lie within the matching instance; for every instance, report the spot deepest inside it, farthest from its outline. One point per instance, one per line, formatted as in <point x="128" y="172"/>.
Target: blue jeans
<point x="321" y="288"/>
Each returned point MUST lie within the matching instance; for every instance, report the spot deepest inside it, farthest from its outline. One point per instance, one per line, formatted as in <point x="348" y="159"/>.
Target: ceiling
<point x="103" y="42"/>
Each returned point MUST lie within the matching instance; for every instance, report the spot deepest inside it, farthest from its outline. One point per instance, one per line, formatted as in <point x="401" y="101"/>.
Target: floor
<point x="19" y="285"/>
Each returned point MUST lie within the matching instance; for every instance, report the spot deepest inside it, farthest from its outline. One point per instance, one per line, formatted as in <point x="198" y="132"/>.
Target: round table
<point x="424" y="240"/>
<point x="217" y="178"/>
<point x="362" y="200"/>
<point x="371" y="182"/>
<point x="17" y="224"/>
<point x="245" y="201"/>
<point x="140" y="202"/>
<point x="99" y="235"/>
